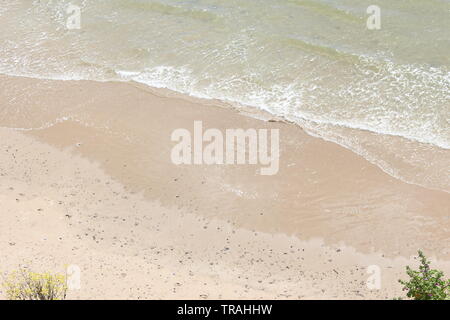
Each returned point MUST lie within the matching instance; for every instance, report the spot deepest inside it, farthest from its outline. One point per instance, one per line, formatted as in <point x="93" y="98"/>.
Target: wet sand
<point x="88" y="180"/>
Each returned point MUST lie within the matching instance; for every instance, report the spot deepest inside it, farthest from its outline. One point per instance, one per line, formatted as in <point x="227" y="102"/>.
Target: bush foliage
<point x="27" y="285"/>
<point x="426" y="283"/>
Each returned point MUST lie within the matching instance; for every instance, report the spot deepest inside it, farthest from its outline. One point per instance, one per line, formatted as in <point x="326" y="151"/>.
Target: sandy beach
<point x="86" y="179"/>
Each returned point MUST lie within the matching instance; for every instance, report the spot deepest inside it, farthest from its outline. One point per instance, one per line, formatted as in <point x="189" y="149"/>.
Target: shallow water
<point x="312" y="62"/>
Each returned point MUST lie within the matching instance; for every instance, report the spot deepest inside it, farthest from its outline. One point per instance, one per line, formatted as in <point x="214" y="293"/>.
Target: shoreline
<point x="324" y="199"/>
<point x="370" y="145"/>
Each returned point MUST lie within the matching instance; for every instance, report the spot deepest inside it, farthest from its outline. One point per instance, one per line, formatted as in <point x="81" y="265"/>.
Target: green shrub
<point x="27" y="285"/>
<point x="426" y="283"/>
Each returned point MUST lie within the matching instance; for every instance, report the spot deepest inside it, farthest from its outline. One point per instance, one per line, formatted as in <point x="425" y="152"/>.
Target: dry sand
<point x="86" y="179"/>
